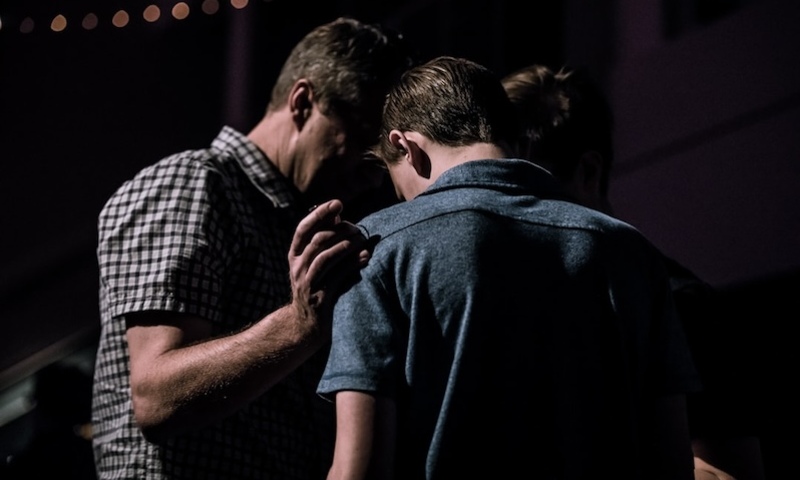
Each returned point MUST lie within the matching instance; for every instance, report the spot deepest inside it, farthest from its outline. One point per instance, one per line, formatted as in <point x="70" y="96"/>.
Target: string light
<point x="89" y="20"/>
<point x="210" y="7"/>
<point x="59" y="23"/>
<point x="151" y="13"/>
<point x="120" y="19"/>
<point x="180" y="10"/>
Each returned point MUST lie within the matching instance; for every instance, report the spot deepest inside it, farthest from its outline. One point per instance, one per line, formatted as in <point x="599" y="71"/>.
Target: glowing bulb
<point x="152" y="13"/>
<point x="59" y="23"/>
<point x="89" y="21"/>
<point x="210" y="7"/>
<point x="120" y="19"/>
<point x="180" y="10"/>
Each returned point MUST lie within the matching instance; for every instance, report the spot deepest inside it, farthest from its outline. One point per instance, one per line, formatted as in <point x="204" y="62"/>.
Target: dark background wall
<point x="83" y="110"/>
<point x="706" y="95"/>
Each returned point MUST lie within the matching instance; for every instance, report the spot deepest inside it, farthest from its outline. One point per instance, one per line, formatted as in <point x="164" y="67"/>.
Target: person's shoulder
<point x="617" y="234"/>
<point x="569" y="214"/>
<point x="184" y="161"/>
<point x="172" y="168"/>
<point x="422" y="211"/>
<point x="170" y="177"/>
<point x="386" y="221"/>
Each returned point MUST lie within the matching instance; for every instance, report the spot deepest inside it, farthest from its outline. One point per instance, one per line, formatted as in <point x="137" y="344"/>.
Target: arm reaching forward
<point x="182" y="378"/>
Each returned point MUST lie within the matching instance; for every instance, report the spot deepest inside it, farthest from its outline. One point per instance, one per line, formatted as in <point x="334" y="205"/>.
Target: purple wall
<point x="708" y="145"/>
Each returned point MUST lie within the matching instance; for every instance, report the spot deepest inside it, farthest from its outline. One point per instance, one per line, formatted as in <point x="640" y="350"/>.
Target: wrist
<point x="305" y="317"/>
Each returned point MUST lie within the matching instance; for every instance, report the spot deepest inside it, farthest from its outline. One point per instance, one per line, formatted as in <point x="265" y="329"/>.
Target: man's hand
<point x="325" y="251"/>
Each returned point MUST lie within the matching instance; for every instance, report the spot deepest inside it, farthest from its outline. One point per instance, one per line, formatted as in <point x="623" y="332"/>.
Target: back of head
<point x="350" y="65"/>
<point x="563" y="114"/>
<point x="453" y="101"/>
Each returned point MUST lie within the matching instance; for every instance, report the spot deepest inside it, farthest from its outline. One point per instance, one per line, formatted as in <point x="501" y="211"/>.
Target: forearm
<point x="198" y="382"/>
<point x="181" y="378"/>
<point x="365" y="437"/>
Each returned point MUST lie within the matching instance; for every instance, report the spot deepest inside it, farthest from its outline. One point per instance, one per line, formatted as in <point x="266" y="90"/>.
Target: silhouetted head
<point x="567" y="128"/>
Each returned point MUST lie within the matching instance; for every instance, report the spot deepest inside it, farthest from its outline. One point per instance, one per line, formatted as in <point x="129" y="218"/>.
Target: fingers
<point x="333" y="270"/>
<point x="323" y="217"/>
<point x="324" y="251"/>
<point x="336" y="253"/>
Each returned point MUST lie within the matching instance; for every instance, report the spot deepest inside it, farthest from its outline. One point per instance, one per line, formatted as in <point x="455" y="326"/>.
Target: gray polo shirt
<point x="517" y="332"/>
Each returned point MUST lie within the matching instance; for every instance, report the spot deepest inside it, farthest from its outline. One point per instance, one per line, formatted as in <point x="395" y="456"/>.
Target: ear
<point x="301" y="101"/>
<point x="399" y="141"/>
<point x="408" y="145"/>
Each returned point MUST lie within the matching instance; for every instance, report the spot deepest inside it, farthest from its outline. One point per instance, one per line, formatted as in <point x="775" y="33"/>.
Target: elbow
<point x="150" y="417"/>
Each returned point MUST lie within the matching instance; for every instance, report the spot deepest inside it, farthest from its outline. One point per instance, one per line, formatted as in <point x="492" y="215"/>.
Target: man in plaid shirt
<point x="213" y="338"/>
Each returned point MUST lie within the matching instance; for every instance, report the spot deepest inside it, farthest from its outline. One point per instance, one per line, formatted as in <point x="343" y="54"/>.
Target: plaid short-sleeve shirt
<point x="204" y="232"/>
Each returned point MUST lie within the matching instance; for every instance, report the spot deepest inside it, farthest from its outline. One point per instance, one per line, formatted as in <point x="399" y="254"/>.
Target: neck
<point x="444" y="158"/>
<point x="268" y="135"/>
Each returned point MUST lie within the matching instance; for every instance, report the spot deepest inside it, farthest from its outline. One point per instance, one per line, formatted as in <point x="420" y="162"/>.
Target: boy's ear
<point x="399" y="141"/>
<point x="413" y="153"/>
<point x="419" y="159"/>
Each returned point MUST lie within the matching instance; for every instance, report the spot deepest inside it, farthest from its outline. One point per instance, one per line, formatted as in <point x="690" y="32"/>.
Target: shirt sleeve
<point x="160" y="240"/>
<point x="367" y="351"/>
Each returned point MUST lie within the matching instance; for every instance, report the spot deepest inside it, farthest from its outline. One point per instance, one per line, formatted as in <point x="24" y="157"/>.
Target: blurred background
<point x="706" y="95"/>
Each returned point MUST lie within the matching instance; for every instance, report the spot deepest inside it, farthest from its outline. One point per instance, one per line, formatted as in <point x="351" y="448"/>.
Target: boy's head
<point x="453" y="102"/>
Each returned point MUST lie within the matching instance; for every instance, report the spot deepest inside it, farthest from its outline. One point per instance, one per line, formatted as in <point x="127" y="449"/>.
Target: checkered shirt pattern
<point x="205" y="232"/>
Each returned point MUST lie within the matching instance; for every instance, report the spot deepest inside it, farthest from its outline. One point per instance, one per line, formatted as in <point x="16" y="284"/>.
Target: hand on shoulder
<point x="325" y="252"/>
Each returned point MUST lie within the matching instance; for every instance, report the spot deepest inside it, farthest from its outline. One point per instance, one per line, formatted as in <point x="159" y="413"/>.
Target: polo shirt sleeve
<point x="367" y="353"/>
<point x="160" y="237"/>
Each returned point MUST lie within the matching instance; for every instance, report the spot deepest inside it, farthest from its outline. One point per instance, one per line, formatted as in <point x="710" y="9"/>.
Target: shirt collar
<point x="507" y="174"/>
<point x="259" y="169"/>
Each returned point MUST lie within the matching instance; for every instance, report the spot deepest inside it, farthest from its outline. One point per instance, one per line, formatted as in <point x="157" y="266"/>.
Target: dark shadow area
<point x="53" y="439"/>
<point x="761" y="356"/>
